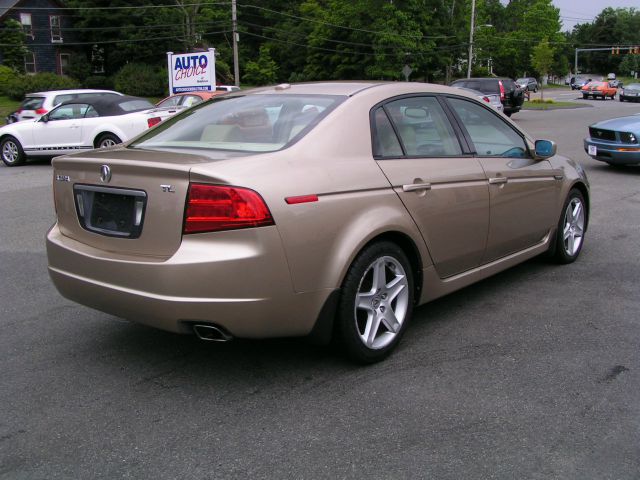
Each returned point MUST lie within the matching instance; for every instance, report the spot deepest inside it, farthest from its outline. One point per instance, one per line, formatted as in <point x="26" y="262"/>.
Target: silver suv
<point x="37" y="104"/>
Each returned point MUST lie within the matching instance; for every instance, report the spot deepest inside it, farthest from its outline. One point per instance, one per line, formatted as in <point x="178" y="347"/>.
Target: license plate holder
<point x="114" y="212"/>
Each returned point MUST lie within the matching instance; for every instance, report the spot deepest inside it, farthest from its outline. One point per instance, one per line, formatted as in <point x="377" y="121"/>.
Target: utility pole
<point x="472" y="27"/>
<point x="234" y="22"/>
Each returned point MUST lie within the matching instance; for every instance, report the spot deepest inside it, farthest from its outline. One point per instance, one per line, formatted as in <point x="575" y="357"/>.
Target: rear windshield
<point x="32" y="103"/>
<point x="253" y="123"/>
<point x="134" y="105"/>
<point x="484" y="85"/>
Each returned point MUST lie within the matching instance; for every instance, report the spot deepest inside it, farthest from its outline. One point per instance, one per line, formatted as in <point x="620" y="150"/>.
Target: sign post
<point x="190" y="72"/>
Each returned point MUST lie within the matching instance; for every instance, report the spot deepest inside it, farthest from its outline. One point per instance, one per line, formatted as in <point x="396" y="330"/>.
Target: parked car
<point x="615" y="141"/>
<point x="310" y="210"/>
<point x="79" y="124"/>
<point x="577" y="83"/>
<point x="511" y="95"/>
<point x="187" y="99"/>
<point x="493" y="100"/>
<point x="630" y="93"/>
<point x="227" y="88"/>
<point x="529" y="84"/>
<point x="598" y="90"/>
<point x="37" y="104"/>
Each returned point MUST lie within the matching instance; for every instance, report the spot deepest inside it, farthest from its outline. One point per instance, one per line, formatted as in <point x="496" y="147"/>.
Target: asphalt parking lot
<point x="533" y="373"/>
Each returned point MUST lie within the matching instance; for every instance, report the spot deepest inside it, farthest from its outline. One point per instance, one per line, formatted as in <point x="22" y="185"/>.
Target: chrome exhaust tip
<point x="211" y="333"/>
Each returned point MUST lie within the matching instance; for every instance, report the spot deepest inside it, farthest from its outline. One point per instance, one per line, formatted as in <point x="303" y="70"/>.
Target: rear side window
<point x="484" y="85"/>
<point x="422" y="126"/>
<point x="32" y="103"/>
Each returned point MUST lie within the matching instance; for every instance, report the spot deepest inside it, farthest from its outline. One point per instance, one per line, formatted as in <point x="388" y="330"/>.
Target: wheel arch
<point x="323" y="329"/>
<point x="582" y="188"/>
<point x="103" y="132"/>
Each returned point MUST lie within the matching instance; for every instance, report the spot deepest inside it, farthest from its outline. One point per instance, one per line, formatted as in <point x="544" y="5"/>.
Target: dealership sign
<point x="189" y="72"/>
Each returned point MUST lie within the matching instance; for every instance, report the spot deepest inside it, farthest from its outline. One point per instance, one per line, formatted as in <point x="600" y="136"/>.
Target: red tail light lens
<point x="212" y="208"/>
<point x="153" y="121"/>
<point x="486" y="99"/>
<point x="19" y="110"/>
<point x="501" y="90"/>
<point x="41" y="111"/>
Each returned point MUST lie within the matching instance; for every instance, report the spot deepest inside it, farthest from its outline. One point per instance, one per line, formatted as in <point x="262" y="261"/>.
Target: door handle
<point x="498" y="180"/>
<point x="416" y="186"/>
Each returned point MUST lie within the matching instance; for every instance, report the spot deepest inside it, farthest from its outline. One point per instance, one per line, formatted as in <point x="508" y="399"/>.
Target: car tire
<point x="535" y="89"/>
<point x="376" y="303"/>
<point x="572" y="226"/>
<point x="621" y="99"/>
<point x="12" y="152"/>
<point x="585" y="97"/>
<point x="107" y="140"/>
<point x="508" y="114"/>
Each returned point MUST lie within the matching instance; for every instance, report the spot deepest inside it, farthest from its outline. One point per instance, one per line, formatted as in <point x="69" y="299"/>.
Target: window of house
<point x="63" y="62"/>
<point x="25" y="20"/>
<point x="30" y="62"/>
<point x="56" y="30"/>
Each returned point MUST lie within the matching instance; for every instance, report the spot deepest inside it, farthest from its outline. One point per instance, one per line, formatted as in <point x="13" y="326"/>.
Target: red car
<point x="187" y="99"/>
<point x="598" y="89"/>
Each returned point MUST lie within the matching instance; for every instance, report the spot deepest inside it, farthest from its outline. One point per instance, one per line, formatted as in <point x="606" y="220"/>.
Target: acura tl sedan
<point x="327" y="210"/>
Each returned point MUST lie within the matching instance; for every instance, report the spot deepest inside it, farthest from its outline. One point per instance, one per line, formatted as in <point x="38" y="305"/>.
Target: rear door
<point x="444" y="189"/>
<point x="523" y="191"/>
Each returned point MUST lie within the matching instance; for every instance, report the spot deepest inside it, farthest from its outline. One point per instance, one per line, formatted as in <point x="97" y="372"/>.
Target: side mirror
<point x="44" y="118"/>
<point x="545" y="149"/>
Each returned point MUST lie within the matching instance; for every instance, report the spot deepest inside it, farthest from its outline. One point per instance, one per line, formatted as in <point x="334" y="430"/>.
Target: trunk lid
<point x="136" y="208"/>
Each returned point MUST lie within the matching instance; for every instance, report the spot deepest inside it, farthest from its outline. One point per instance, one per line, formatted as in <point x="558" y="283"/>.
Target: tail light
<point x="212" y="208"/>
<point x="153" y="121"/>
<point x="501" y="90"/>
<point x="486" y="99"/>
<point x="19" y="110"/>
<point x="41" y="111"/>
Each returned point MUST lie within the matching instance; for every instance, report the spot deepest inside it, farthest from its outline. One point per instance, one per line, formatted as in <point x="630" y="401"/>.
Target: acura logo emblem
<point x="105" y="174"/>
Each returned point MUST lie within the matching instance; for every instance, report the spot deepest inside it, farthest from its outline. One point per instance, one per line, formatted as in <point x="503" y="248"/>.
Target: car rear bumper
<point x="611" y="153"/>
<point x="238" y="280"/>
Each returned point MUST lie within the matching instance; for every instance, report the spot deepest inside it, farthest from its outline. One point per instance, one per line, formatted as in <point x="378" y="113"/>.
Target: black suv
<point x="511" y="95"/>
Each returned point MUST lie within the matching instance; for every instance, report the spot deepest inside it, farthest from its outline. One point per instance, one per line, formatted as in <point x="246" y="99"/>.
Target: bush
<point x="98" y="82"/>
<point x="19" y="85"/>
<point x="6" y="77"/>
<point x="141" y="80"/>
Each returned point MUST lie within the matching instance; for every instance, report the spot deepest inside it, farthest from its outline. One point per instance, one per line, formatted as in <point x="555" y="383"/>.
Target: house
<point x="46" y="26"/>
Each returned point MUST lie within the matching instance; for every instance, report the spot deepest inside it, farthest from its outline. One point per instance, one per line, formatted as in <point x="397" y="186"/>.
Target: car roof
<point x="343" y="88"/>
<point x="109" y="105"/>
<point x="75" y="90"/>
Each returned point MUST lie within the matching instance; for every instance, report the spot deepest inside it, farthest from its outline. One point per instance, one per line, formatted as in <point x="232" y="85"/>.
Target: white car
<point x="493" y="100"/>
<point x="77" y="125"/>
<point x="227" y="88"/>
<point x="37" y="104"/>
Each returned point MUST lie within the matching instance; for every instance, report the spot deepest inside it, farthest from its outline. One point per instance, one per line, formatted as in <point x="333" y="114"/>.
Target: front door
<point x="445" y="191"/>
<point x="523" y="191"/>
<point x="62" y="132"/>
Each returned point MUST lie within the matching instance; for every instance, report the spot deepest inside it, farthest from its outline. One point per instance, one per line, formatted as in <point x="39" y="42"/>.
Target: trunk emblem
<point x="105" y="174"/>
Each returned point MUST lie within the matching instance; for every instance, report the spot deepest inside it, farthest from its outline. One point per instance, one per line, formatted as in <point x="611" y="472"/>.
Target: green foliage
<point x="6" y="77"/>
<point x="40" y="82"/>
<point x="141" y="80"/>
<point x="13" y="39"/>
<point x="630" y="63"/>
<point x="79" y="68"/>
<point x="263" y="71"/>
<point x="98" y="82"/>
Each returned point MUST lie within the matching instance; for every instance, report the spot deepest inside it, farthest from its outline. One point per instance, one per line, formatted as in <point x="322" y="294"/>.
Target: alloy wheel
<point x="382" y="302"/>
<point x="573" y="231"/>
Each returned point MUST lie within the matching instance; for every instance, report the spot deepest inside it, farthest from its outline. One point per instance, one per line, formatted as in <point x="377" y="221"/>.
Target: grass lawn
<point x="6" y="107"/>
<point x="552" y="106"/>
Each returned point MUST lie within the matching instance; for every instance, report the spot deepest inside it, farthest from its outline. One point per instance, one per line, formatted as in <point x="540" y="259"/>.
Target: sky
<point x="585" y="11"/>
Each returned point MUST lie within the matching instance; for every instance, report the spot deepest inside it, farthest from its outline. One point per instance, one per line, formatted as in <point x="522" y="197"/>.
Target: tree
<point x="262" y="71"/>
<point x="542" y="60"/>
<point x="12" y="45"/>
<point x="630" y="63"/>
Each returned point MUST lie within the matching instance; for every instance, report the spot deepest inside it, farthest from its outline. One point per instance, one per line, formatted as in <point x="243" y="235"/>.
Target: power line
<point x="375" y="32"/>
<point x="137" y="27"/>
<point x="132" y="7"/>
